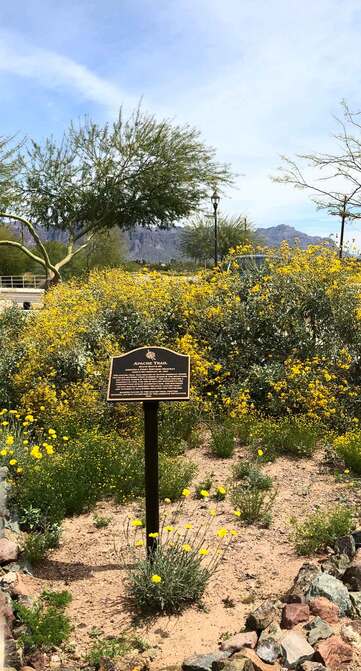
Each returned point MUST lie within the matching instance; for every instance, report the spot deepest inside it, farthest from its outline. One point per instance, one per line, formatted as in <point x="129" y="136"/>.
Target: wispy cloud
<point x="55" y="71"/>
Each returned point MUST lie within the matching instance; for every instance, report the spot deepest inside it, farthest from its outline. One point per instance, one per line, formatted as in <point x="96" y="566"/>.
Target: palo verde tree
<point x="135" y="171"/>
<point x="197" y="238"/>
<point x="333" y="179"/>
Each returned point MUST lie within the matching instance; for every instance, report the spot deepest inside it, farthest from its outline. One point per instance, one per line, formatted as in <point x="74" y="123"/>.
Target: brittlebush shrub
<point x="291" y="436"/>
<point x="348" y="447"/>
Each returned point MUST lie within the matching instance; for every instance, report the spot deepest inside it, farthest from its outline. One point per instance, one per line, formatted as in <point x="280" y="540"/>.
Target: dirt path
<point x="261" y="563"/>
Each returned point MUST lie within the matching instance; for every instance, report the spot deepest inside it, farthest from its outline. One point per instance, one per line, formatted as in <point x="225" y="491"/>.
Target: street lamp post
<point x="215" y="198"/>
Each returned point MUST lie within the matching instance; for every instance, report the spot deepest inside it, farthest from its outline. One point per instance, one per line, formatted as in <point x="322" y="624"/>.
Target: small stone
<point x="333" y="589"/>
<point x="318" y="629"/>
<point x="258" y="664"/>
<point x="263" y="616"/>
<point x="8" y="551"/>
<point x="356" y="602"/>
<point x="333" y="653"/>
<point x="295" y="649"/>
<point x="8" y="579"/>
<point x="346" y="545"/>
<point x="305" y="577"/>
<point x="293" y="613"/>
<point x="247" y="639"/>
<point x="328" y="611"/>
<point x="268" y="650"/>
<point x="204" y="662"/>
<point x="23" y="586"/>
<point x="351" y="636"/>
<point x="313" y="666"/>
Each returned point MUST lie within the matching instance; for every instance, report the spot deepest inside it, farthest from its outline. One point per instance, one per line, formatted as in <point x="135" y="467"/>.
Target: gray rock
<point x="247" y="639"/>
<point x="336" y="565"/>
<point x="346" y="545"/>
<point x="333" y="589"/>
<point x="295" y="650"/>
<point x="273" y="632"/>
<point x="263" y="616"/>
<point x="318" y="629"/>
<point x="305" y="577"/>
<point x="269" y="650"/>
<point x="204" y="662"/>
<point x="232" y="664"/>
<point x="12" y="654"/>
<point x="356" y="602"/>
<point x="352" y="577"/>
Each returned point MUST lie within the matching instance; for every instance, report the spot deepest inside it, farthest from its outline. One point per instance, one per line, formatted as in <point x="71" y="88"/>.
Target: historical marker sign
<point x="149" y="374"/>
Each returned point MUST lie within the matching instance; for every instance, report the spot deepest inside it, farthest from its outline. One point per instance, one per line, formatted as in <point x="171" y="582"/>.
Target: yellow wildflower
<point x="136" y="523"/>
<point x="153" y="534"/>
<point x="204" y="493"/>
<point x="156" y="579"/>
<point x="203" y="552"/>
<point x="186" y="492"/>
<point x="139" y="543"/>
<point x="186" y="548"/>
<point x="221" y="533"/>
<point x="12" y="462"/>
<point x="10" y="440"/>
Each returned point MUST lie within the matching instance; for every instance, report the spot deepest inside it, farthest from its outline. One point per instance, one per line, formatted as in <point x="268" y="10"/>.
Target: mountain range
<point x="161" y="245"/>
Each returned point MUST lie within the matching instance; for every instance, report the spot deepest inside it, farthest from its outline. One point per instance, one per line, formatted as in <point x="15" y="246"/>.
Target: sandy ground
<point x="260" y="563"/>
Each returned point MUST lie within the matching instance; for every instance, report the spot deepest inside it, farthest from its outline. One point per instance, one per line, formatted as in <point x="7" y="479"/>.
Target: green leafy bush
<point x="348" y="447"/>
<point x="175" y="474"/>
<point x="112" y="647"/>
<point x="100" y="521"/>
<point x="37" y="544"/>
<point x="222" y="440"/>
<point x="295" y="436"/>
<point x="45" y="624"/>
<point x="177" y="423"/>
<point x="251" y="474"/>
<point x="169" y="581"/>
<point x="321" y="530"/>
<point x="253" y="504"/>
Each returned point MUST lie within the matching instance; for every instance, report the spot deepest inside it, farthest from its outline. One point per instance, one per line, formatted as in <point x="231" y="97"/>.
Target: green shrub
<point x="244" y="428"/>
<point x="100" y="521"/>
<point x="113" y="647"/>
<point x="321" y="530"/>
<point x="175" y="474"/>
<point x="45" y="624"/>
<point x="169" y="581"/>
<point x="295" y="436"/>
<point x="177" y="422"/>
<point x="38" y="543"/>
<point x="204" y="486"/>
<point x="348" y="447"/>
<point x="222" y="440"/>
<point x="251" y="474"/>
<point x="253" y="504"/>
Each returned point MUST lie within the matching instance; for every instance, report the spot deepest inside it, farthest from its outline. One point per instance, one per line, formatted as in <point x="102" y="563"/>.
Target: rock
<point x="352" y="575"/>
<point x="350" y="635"/>
<point x="263" y="616"/>
<point x="346" y="545"/>
<point x="273" y="632"/>
<point x="240" y="664"/>
<point x="357" y="538"/>
<point x="204" y="662"/>
<point x="312" y="666"/>
<point x="318" y="629"/>
<point x="293" y="613"/>
<point x="356" y="602"/>
<point x="7" y="579"/>
<point x="336" y="565"/>
<point x="8" y="551"/>
<point x="12" y="654"/>
<point x="305" y="577"/>
<point x="27" y="668"/>
<point x="295" y="649"/>
<point x="269" y="650"/>
<point x="333" y="589"/>
<point x="247" y="639"/>
<point x="333" y="653"/>
<point x="328" y="611"/>
<point x="258" y="664"/>
<point x="23" y="586"/>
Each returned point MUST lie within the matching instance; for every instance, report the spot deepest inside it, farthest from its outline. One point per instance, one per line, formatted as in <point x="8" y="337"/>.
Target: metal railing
<point x="22" y="281"/>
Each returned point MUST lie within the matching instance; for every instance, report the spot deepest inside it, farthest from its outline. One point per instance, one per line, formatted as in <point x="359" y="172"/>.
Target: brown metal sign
<point x="149" y="374"/>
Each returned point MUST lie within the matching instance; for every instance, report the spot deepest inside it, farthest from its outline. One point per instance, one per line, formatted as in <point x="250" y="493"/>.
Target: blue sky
<point x="259" y="78"/>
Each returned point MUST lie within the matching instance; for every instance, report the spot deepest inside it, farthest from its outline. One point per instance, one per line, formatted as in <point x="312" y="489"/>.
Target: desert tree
<point x="333" y="179"/>
<point x="133" y="172"/>
<point x="197" y="237"/>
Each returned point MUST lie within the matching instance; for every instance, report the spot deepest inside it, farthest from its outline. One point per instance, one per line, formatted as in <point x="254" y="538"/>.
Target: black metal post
<point x="151" y="472"/>
<point x="215" y="208"/>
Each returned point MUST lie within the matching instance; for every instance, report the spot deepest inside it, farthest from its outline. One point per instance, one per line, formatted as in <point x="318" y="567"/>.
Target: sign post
<point x="150" y="375"/>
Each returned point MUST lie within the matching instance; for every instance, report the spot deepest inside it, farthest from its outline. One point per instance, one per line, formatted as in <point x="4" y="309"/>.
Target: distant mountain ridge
<point x="160" y="246"/>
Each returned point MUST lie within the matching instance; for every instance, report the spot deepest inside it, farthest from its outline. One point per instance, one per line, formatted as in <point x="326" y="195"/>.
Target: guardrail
<point x="22" y="281"/>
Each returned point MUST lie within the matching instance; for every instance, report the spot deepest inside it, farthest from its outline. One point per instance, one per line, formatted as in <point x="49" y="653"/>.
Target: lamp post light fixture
<point x="215" y="198"/>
